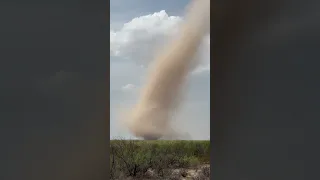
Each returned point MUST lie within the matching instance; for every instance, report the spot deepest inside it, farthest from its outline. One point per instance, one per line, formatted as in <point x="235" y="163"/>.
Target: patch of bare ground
<point x="202" y="172"/>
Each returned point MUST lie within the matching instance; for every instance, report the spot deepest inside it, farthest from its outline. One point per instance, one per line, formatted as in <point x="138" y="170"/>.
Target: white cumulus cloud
<point x="138" y="39"/>
<point x="128" y="87"/>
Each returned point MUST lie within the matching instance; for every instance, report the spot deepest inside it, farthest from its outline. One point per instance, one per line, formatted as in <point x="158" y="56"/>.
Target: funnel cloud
<point x="159" y="99"/>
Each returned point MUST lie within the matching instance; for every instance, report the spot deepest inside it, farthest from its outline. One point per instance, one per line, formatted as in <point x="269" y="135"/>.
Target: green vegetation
<point x="143" y="159"/>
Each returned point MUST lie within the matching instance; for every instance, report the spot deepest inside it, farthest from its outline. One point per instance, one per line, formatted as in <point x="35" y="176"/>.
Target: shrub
<point x="137" y="159"/>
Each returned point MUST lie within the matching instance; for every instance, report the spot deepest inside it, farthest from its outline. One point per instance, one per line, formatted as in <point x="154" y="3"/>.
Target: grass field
<point x="140" y="159"/>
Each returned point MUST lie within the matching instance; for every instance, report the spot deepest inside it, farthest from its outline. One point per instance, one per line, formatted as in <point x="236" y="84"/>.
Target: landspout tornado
<point x="150" y="117"/>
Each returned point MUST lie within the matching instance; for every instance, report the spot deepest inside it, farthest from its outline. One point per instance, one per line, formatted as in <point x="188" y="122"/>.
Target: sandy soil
<point x="201" y="172"/>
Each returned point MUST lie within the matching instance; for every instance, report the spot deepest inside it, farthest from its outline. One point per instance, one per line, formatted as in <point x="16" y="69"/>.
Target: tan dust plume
<point x="150" y="118"/>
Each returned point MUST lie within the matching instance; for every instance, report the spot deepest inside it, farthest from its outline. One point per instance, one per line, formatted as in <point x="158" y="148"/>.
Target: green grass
<point x="135" y="157"/>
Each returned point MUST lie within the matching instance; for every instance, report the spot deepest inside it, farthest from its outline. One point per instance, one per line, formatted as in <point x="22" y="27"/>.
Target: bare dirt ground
<point x="201" y="172"/>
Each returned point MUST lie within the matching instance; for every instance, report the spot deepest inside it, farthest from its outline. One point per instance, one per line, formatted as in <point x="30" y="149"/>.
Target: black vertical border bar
<point x="21" y="159"/>
<point x="108" y="90"/>
<point x="229" y="26"/>
<point x="227" y="20"/>
<point x="104" y="170"/>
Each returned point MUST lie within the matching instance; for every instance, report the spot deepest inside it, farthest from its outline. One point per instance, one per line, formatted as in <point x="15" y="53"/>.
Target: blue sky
<point x="137" y="28"/>
<point x="122" y="11"/>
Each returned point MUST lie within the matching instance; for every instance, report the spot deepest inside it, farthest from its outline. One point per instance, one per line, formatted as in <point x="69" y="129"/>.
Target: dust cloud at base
<point x="159" y="99"/>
